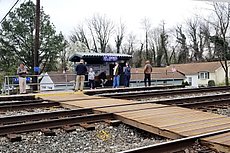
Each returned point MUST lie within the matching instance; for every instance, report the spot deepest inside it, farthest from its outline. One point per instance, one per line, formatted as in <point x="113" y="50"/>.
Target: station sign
<point x="110" y="58"/>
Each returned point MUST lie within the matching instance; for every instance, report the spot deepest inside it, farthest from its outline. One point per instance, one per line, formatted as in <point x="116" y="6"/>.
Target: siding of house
<point x="220" y="75"/>
<point x="193" y="81"/>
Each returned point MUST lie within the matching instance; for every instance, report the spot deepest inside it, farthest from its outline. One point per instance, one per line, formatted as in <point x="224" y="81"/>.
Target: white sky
<point x="67" y="14"/>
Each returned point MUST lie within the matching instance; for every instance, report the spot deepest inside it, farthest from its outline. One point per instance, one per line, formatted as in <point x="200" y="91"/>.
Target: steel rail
<point x="174" y="145"/>
<point x="205" y="103"/>
<point x="53" y="123"/>
<point x="140" y="94"/>
<point x="28" y="106"/>
<point x="21" y="102"/>
<point x="40" y="116"/>
<point x="113" y="90"/>
<point x="179" y="101"/>
<point x="17" y="97"/>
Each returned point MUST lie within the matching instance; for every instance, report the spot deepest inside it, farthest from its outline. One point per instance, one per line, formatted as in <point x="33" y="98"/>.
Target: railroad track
<point x="38" y="121"/>
<point x="26" y="104"/>
<point x="174" y="145"/>
<point x="115" y="90"/>
<point x="151" y="93"/>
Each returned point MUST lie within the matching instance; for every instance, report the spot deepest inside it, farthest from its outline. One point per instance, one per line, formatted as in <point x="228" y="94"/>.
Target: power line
<point x="9" y="11"/>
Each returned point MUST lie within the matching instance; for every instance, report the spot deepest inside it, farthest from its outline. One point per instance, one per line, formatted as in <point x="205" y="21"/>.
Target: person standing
<point x="22" y="71"/>
<point x="127" y="75"/>
<point x="81" y="72"/>
<point x="147" y="73"/>
<point x="91" y="77"/>
<point x="116" y="74"/>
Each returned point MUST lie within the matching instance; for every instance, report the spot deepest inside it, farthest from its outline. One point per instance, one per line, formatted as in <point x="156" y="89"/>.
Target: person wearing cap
<point x="81" y="72"/>
<point x="22" y="71"/>
<point x="147" y="73"/>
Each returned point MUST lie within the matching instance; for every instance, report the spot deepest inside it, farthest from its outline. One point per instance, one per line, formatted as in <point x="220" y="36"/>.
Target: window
<point x="203" y="75"/>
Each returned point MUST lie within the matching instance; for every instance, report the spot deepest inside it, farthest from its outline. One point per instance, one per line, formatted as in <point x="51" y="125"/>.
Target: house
<point x="57" y="81"/>
<point x="198" y="74"/>
<point x="159" y="76"/>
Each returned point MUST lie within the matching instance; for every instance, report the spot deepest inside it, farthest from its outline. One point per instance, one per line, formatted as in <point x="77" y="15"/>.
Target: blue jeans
<point x="116" y="81"/>
<point x="126" y="80"/>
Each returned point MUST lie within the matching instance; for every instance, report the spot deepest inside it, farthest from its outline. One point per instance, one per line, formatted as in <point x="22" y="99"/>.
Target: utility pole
<point x="36" y="43"/>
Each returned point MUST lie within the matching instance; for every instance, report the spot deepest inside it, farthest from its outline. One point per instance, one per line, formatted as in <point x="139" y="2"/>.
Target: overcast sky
<point x="67" y="14"/>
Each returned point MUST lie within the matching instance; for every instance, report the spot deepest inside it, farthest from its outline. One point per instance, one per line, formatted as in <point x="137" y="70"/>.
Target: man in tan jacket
<point x="147" y="73"/>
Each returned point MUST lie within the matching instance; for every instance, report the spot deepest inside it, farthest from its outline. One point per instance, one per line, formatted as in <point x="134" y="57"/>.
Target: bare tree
<point x="183" y="56"/>
<point x="147" y="27"/>
<point x="80" y="35"/>
<point x="164" y="42"/>
<point x="205" y="30"/>
<point x="101" y="29"/>
<point x="197" y="38"/>
<point x="119" y="36"/>
<point x="222" y="11"/>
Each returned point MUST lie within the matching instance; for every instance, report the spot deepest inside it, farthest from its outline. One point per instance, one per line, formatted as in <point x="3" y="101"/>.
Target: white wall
<point x="194" y="80"/>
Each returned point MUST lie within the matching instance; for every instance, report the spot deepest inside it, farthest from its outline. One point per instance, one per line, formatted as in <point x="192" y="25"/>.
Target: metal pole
<point x="36" y="41"/>
<point x="8" y="82"/>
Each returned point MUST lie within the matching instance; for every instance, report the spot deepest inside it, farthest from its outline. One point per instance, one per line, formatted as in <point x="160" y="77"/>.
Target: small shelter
<point x="101" y="62"/>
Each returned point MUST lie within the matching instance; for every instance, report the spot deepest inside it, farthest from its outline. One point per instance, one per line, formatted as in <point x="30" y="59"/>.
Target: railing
<point x="66" y="81"/>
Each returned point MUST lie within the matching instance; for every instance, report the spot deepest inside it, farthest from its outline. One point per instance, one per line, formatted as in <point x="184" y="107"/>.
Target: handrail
<point x="67" y="81"/>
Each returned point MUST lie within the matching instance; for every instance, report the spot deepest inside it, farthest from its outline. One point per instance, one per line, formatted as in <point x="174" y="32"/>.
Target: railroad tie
<point x="68" y="128"/>
<point x="113" y="122"/>
<point x="14" y="137"/>
<point x="48" y="132"/>
<point x="88" y="126"/>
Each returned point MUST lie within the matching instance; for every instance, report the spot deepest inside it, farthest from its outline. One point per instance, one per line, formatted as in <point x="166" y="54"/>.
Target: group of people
<point x="117" y="70"/>
<point x="81" y="71"/>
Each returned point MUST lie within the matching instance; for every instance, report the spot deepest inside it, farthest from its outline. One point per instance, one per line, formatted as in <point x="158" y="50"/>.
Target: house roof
<point x="194" y="68"/>
<point x="157" y="73"/>
<point x="59" y="77"/>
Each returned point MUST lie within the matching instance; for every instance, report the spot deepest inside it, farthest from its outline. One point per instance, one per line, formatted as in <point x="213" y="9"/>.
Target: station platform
<point x="167" y="121"/>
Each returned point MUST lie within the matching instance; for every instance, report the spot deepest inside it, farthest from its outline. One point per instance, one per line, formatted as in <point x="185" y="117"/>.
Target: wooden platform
<point x="168" y="121"/>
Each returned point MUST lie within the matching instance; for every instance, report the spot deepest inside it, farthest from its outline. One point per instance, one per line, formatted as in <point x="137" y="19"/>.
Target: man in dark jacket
<point x="81" y="72"/>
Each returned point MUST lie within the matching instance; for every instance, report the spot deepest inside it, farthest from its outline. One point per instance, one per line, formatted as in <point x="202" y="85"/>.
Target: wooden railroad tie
<point x="113" y="122"/>
<point x="88" y="126"/>
<point x="48" y="132"/>
<point x="68" y="128"/>
<point x="14" y="137"/>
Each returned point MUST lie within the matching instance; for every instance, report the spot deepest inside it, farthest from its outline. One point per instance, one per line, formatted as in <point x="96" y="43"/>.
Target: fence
<point x="54" y="82"/>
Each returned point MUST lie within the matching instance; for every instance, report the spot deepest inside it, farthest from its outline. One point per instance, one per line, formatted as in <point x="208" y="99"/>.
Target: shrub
<point x="211" y="83"/>
<point x="185" y="83"/>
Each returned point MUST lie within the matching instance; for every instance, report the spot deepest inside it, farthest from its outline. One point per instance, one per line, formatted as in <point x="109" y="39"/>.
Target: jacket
<point x="81" y="69"/>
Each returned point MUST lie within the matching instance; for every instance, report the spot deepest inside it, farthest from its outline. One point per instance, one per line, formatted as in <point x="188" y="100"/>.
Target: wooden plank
<point x="216" y="146"/>
<point x="222" y="138"/>
<point x="135" y="107"/>
<point x="184" y="116"/>
<point x="149" y="128"/>
<point x="205" y="130"/>
<point x="172" y="121"/>
<point x="143" y="113"/>
<point x="201" y="121"/>
<point x="97" y="103"/>
<point x="174" y="114"/>
<point x="181" y="130"/>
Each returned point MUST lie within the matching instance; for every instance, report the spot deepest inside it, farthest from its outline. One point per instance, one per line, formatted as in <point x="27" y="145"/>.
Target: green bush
<point x="185" y="83"/>
<point x="211" y="83"/>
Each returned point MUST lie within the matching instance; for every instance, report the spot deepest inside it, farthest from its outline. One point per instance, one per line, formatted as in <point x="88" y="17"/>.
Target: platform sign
<point x="110" y="58"/>
<point x="36" y="69"/>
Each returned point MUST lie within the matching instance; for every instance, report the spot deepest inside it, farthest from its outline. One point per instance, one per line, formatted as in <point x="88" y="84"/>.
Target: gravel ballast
<point x="105" y="139"/>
